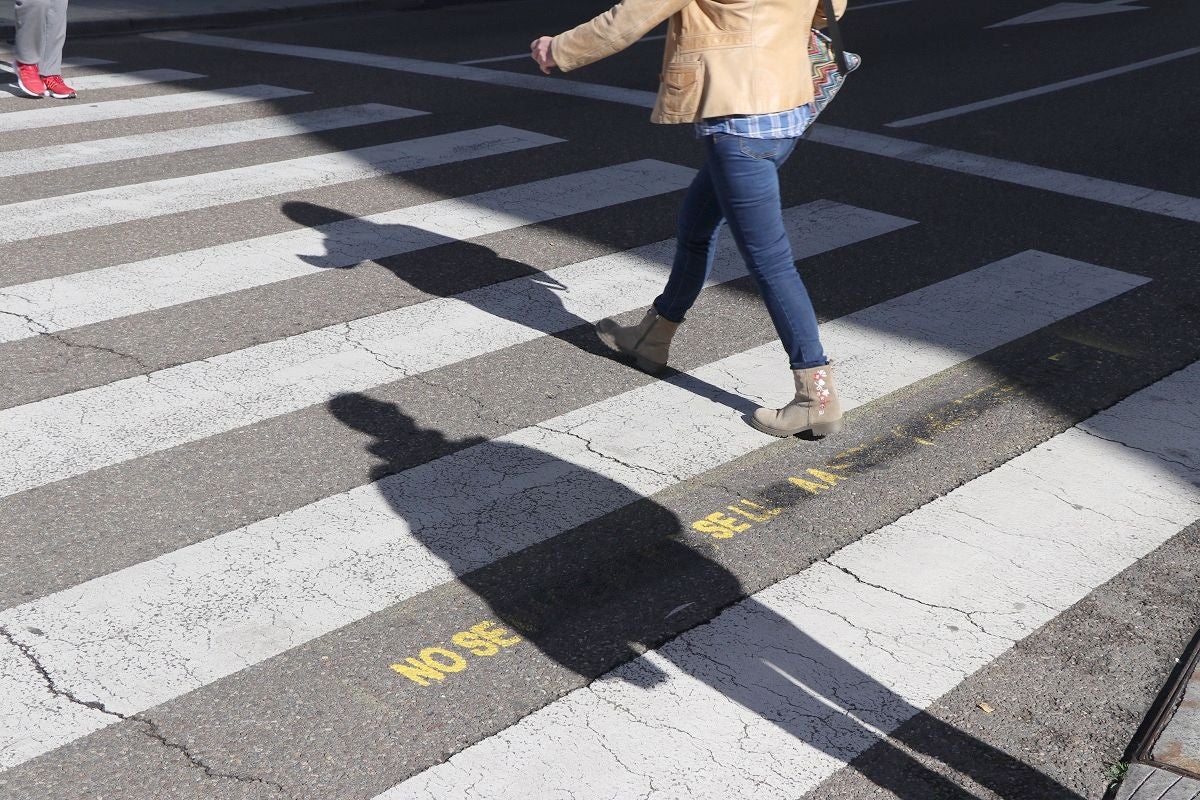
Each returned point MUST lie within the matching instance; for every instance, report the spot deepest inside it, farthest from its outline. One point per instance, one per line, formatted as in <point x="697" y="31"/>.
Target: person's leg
<point x="30" y="17"/>
<point x="695" y="247"/>
<point x="55" y="37"/>
<point x="745" y="176"/>
<point x="648" y="342"/>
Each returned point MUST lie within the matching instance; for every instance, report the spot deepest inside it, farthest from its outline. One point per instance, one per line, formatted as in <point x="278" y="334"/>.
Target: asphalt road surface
<point x="316" y="483"/>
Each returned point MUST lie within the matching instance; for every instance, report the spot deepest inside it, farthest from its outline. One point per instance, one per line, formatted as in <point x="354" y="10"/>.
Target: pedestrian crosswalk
<point x="771" y="698"/>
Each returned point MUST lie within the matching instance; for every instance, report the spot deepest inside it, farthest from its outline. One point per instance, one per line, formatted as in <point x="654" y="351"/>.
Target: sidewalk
<point x="95" y="17"/>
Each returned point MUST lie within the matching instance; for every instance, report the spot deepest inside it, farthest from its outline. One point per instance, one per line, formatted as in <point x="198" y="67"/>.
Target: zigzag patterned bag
<point x="830" y="63"/>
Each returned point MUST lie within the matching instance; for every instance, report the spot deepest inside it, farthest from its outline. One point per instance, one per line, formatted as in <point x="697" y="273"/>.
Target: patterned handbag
<point x="830" y="63"/>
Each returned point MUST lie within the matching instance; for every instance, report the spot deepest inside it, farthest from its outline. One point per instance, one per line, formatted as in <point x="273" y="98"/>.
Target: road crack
<point x="144" y="725"/>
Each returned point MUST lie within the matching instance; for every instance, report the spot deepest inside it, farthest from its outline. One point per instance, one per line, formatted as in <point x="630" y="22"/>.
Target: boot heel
<point x="826" y="428"/>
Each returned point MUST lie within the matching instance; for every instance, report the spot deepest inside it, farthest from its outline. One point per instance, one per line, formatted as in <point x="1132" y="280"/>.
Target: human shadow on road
<point x="479" y="277"/>
<point x="591" y="573"/>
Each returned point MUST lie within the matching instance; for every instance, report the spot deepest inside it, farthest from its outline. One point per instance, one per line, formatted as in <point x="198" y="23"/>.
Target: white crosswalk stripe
<point x="148" y="633"/>
<point x="73" y="433"/>
<point x="78" y="113"/>
<point x="100" y="207"/>
<point x="822" y="665"/>
<point x="84" y="298"/>
<point x="182" y="140"/>
<point x="68" y="63"/>
<point x="120" y="80"/>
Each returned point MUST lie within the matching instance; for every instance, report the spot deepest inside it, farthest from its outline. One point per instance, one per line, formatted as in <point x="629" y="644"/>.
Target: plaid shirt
<point x="776" y="125"/>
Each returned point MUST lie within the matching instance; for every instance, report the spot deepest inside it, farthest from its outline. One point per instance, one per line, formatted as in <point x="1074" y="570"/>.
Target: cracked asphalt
<point x="183" y="450"/>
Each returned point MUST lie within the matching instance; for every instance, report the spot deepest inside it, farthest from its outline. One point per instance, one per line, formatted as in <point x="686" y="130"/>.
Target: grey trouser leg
<point x="41" y="33"/>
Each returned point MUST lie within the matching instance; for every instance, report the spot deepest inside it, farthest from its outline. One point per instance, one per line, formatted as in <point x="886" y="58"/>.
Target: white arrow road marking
<point x="148" y="633"/>
<point x="1061" y="11"/>
<point x="784" y="689"/>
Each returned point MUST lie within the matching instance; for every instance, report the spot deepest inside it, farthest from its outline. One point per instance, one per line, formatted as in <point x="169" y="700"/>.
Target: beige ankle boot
<point x="647" y="343"/>
<point x="816" y="407"/>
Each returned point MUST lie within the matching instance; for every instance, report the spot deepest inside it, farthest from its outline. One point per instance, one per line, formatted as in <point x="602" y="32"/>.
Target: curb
<point x="116" y="25"/>
<point x="1162" y="710"/>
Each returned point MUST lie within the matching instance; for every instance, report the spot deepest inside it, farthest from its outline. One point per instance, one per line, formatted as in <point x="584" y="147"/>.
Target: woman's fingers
<point x="540" y="49"/>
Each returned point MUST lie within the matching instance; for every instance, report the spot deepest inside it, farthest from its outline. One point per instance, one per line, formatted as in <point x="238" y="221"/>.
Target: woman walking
<point x="41" y="34"/>
<point x="740" y="71"/>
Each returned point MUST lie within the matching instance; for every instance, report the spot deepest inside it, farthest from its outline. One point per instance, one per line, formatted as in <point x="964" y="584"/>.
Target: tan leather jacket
<point x="722" y="56"/>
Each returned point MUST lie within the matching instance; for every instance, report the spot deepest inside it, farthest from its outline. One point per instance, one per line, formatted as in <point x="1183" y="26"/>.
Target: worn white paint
<point x="74" y="433"/>
<point x="787" y="687"/>
<point x="148" y="633"/>
<point x="182" y="140"/>
<point x="60" y="303"/>
<point x="101" y="207"/>
<point x="81" y="112"/>
<point x="6" y="64"/>
<point x="119" y="80"/>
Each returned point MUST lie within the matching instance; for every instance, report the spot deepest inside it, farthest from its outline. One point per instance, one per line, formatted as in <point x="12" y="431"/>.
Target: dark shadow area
<point x="591" y="597"/>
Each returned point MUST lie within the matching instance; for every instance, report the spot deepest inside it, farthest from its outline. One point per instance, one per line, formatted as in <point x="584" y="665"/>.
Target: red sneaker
<point x="29" y="82"/>
<point x="57" y="88"/>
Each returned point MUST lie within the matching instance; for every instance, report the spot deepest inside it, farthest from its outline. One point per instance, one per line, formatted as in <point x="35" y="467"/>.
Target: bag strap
<point x="835" y="36"/>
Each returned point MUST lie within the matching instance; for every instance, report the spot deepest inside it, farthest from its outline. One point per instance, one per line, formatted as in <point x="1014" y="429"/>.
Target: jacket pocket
<point x="682" y="85"/>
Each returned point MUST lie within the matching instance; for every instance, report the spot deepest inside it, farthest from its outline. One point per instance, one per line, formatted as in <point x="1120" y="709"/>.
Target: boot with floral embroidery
<point x="816" y="407"/>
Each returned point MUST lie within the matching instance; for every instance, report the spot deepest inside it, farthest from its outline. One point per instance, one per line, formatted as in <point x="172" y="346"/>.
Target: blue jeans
<point x="739" y="184"/>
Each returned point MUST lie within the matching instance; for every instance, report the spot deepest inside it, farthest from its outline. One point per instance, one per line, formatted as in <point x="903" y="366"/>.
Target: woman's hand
<point x="540" y="50"/>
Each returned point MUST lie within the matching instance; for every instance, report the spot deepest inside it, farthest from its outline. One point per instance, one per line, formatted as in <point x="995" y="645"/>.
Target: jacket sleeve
<point x="819" y="20"/>
<point x="611" y="32"/>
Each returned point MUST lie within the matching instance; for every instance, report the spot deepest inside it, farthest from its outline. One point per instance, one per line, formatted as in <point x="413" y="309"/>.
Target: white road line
<point x="519" y="56"/>
<point x="415" y="66"/>
<point x="181" y="140"/>
<point x="1074" y="185"/>
<point x="6" y="64"/>
<point x="74" y="433"/>
<point x="1113" y="193"/>
<point x="100" y="207"/>
<point x="119" y="80"/>
<point x="145" y="634"/>
<point x="79" y="113"/>
<point x="1047" y="89"/>
<point x="85" y="298"/>
<point x="817" y="668"/>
